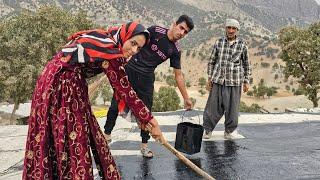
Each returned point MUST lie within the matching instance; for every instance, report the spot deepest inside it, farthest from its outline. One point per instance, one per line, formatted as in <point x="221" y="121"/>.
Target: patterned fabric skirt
<point x="63" y="130"/>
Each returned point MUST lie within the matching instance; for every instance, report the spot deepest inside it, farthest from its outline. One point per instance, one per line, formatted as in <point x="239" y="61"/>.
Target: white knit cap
<point x="232" y="23"/>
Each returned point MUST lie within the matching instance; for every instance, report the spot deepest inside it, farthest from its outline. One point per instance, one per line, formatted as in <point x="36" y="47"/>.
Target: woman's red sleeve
<point x="122" y="87"/>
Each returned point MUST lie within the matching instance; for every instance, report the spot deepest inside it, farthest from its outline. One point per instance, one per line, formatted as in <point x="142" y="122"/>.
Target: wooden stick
<point x="165" y="143"/>
<point x="94" y="86"/>
<point x="187" y="161"/>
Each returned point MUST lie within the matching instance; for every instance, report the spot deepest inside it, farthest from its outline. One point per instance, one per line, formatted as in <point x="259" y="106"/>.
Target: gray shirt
<point x="229" y="63"/>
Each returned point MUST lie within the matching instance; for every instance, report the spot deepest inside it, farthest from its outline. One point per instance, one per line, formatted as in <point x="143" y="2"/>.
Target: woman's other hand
<point x="155" y="131"/>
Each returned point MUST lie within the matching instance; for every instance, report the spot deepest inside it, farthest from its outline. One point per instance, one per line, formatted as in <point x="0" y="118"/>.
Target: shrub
<point x="22" y="120"/>
<point x="188" y="84"/>
<point x="287" y="87"/>
<point x="265" y="64"/>
<point x="298" y="91"/>
<point x="202" y="92"/>
<point x="166" y="99"/>
<point x="254" y="108"/>
<point x="250" y="93"/>
<point x="202" y="82"/>
<point x="170" y="80"/>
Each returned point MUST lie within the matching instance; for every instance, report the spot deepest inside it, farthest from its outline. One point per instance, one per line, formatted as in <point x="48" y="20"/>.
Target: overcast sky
<point x="318" y="1"/>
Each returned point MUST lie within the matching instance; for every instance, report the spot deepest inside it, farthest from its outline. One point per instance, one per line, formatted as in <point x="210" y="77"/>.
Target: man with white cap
<point x="228" y="73"/>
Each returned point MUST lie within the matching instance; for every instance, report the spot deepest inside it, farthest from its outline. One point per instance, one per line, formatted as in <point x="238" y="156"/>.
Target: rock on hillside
<point x="272" y="14"/>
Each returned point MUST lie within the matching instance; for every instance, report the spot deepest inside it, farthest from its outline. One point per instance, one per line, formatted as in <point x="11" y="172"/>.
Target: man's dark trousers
<point x="142" y="84"/>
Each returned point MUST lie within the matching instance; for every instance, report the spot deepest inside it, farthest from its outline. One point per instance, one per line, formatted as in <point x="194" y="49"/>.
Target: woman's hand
<point x="154" y="130"/>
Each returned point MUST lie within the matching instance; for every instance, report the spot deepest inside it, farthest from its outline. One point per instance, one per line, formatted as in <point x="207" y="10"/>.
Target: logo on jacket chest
<point x="155" y="48"/>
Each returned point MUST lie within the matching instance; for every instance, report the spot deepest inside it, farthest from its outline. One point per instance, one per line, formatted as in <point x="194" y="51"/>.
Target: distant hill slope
<point x="260" y="21"/>
<point x="257" y="17"/>
<point x="272" y="14"/>
<point x="306" y="10"/>
<point x="207" y="24"/>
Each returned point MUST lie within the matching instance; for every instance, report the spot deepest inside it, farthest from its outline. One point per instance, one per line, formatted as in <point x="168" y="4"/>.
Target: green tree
<point x="299" y="91"/>
<point x="188" y="84"/>
<point x="202" y="92"/>
<point x="202" y="82"/>
<point x="166" y="99"/>
<point x="254" y="108"/>
<point x="106" y="92"/>
<point x="275" y="66"/>
<point x="254" y="89"/>
<point x="291" y="82"/>
<point x="251" y="80"/>
<point x="261" y="90"/>
<point x="170" y="80"/>
<point x="27" y="42"/>
<point x="188" y="53"/>
<point x="287" y="87"/>
<point x="250" y="93"/>
<point x="94" y="97"/>
<point x="300" y="52"/>
<point x="271" y="91"/>
<point x="265" y="64"/>
<point x="193" y="54"/>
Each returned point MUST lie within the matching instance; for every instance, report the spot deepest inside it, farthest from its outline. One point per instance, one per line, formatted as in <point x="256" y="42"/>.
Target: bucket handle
<point x="183" y="115"/>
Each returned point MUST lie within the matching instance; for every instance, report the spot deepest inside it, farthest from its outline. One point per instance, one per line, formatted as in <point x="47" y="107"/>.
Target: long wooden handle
<point x="180" y="156"/>
<point x="187" y="161"/>
<point x="94" y="86"/>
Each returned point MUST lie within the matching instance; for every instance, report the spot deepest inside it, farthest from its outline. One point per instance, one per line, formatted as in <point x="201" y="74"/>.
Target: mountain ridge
<point x="259" y="25"/>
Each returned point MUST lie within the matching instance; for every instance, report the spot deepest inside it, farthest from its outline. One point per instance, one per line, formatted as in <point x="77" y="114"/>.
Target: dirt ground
<point x="5" y="119"/>
<point x="277" y="103"/>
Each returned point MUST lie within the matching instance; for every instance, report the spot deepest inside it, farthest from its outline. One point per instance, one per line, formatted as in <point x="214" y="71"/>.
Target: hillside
<point x="271" y="14"/>
<point x="207" y="24"/>
<point x="260" y="22"/>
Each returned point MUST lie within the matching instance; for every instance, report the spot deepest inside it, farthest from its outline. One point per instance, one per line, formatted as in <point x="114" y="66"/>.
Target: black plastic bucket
<point x="189" y="137"/>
